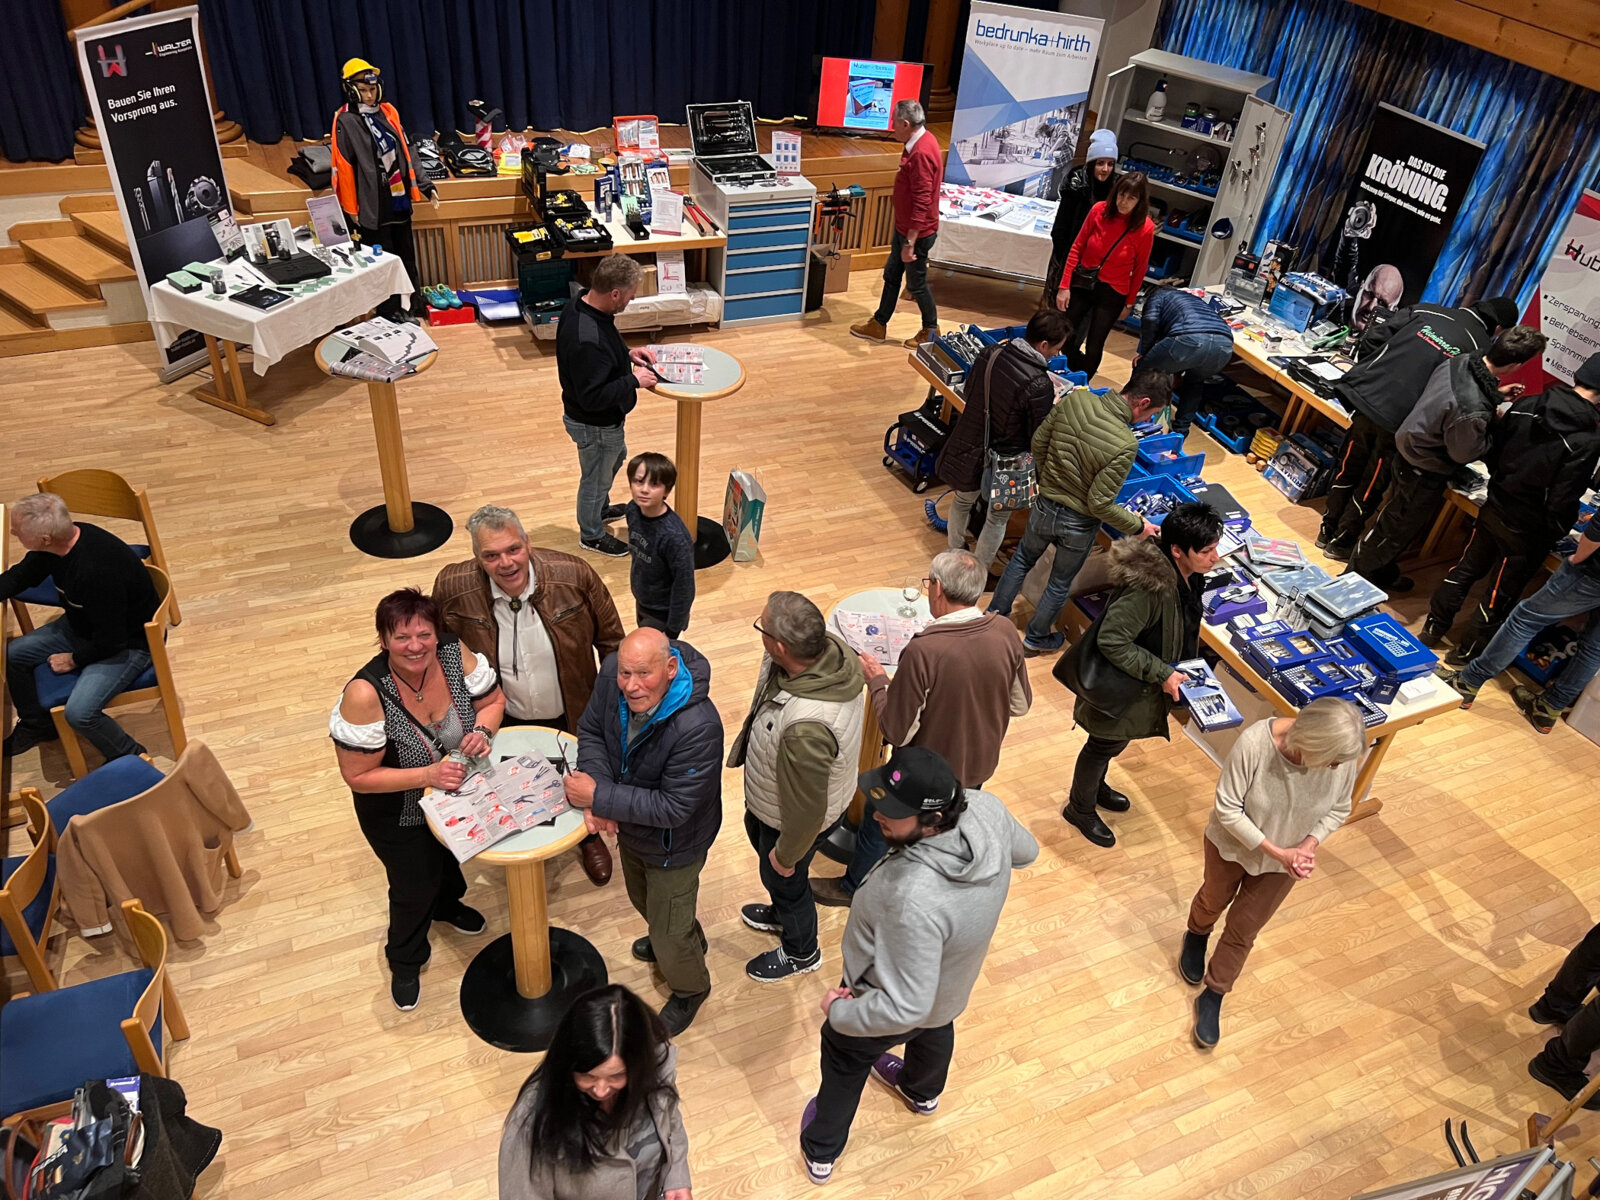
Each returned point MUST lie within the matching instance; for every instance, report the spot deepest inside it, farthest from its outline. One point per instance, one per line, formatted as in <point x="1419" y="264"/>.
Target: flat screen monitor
<point x="858" y="95"/>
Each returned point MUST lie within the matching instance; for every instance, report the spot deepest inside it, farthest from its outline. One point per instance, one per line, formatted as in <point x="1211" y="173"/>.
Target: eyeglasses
<point x="756" y="625"/>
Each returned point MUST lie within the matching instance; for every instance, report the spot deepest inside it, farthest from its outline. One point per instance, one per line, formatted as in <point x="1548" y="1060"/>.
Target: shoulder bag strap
<point x="428" y="735"/>
<point x="1126" y="228"/>
<point x="988" y="374"/>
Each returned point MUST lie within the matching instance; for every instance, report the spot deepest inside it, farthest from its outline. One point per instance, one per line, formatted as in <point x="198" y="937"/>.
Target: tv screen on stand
<point x="858" y="95"/>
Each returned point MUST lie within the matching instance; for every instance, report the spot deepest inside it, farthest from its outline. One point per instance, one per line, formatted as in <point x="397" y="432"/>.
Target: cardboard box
<point x="647" y="280"/>
<point x="835" y="265"/>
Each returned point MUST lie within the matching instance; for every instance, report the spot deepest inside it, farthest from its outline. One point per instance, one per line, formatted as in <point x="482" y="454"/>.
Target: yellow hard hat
<point x="355" y="66"/>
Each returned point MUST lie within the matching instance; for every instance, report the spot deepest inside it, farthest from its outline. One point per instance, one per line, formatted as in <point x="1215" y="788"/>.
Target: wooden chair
<point x="51" y="1042"/>
<point x="155" y="683"/>
<point x="93" y="492"/>
<point x="29" y="892"/>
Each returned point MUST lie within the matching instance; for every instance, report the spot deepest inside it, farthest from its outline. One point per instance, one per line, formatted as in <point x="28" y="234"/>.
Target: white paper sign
<point x="786" y="153"/>
<point x="670" y="278"/>
<point x="666" y="215"/>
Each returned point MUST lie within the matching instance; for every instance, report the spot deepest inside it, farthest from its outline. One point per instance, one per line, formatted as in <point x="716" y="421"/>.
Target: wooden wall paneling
<point x="1560" y="40"/>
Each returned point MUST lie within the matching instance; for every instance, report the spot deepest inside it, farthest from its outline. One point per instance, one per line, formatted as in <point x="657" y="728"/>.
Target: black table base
<point x="710" y="544"/>
<point x="840" y="845"/>
<point x="505" y="1018"/>
<point x="371" y="534"/>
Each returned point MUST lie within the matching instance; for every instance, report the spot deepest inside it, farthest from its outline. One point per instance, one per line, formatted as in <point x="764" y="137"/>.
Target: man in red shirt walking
<point x="916" y="225"/>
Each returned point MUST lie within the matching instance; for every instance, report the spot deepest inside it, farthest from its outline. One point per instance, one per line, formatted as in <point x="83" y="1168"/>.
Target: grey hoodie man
<point x="921" y="923"/>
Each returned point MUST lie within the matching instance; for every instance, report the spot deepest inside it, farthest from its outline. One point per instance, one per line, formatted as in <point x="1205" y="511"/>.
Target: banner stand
<point x="1566" y="306"/>
<point x="151" y="102"/>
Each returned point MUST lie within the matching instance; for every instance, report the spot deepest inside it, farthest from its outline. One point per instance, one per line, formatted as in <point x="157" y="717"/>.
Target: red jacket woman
<point x="1116" y="239"/>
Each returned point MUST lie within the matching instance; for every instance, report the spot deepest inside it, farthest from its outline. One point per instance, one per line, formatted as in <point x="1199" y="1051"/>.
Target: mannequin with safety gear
<point x="374" y="178"/>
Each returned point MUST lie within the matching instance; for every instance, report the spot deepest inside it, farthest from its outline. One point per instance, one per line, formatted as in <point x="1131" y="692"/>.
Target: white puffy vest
<point x="844" y="718"/>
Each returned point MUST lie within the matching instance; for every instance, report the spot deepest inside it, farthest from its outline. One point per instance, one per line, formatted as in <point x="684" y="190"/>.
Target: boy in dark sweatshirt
<point x="663" y="548"/>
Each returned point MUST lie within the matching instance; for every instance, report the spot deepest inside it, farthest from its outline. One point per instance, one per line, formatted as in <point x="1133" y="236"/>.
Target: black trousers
<point x="791" y="895"/>
<point x="653" y="618"/>
<point x="1409" y="507"/>
<point x="425" y="881"/>
<point x="1567" y="997"/>
<point x="1358" y="488"/>
<point x="1052" y="278"/>
<point x="846" y="1063"/>
<point x="1091" y="313"/>
<point x="395" y="238"/>
<point x="1510" y="557"/>
<point x="1089" y="775"/>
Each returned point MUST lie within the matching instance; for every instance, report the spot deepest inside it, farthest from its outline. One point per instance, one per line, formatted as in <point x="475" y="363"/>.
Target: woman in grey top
<point x="1284" y="788"/>
<point x="598" y="1119"/>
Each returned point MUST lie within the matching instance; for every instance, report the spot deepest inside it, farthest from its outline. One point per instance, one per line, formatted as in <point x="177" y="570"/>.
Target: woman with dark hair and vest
<point x="394" y="727"/>
<point x="372" y="174"/>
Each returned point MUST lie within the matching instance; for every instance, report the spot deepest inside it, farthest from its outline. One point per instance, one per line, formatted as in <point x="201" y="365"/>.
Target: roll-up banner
<point x="147" y="90"/>
<point x="1566" y="308"/>
<point x="1412" y="178"/>
<point x="1025" y="79"/>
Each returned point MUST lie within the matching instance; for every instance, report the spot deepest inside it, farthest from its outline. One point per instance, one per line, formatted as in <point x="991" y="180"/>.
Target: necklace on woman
<point x="395" y="671"/>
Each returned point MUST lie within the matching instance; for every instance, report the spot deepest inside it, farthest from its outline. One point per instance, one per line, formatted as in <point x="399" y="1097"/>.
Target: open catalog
<point x="882" y="636"/>
<point x="493" y="804"/>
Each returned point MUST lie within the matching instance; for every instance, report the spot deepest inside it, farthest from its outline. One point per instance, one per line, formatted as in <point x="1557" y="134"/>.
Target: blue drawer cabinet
<point x="775" y="237"/>
<point x="781" y="279"/>
<point x="739" y="260"/>
<point x="770" y="218"/>
<point x="757" y="307"/>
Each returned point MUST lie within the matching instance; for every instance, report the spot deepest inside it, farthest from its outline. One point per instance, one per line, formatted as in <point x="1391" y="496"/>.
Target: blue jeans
<point x="869" y="852"/>
<point x="915" y="274"/>
<point x="1192" y="358"/>
<point x="1570" y="591"/>
<point x="1072" y="533"/>
<point x="98" y="683"/>
<point x="602" y="449"/>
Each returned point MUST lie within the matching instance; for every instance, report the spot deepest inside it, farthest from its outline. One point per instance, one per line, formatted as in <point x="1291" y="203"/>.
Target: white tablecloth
<point x="271" y="333"/>
<point x="974" y="241"/>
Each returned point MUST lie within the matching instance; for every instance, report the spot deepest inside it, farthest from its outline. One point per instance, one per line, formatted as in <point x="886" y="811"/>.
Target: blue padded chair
<point x="120" y="779"/>
<point x="93" y="492"/>
<point x="53" y="1041"/>
<point x="155" y="684"/>
<point x="29" y="893"/>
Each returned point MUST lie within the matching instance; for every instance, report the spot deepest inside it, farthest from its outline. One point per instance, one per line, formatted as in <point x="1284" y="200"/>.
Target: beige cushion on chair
<point x="166" y="847"/>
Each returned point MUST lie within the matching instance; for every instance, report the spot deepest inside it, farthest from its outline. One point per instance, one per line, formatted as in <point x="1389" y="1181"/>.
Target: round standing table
<point x="398" y="528"/>
<point x="519" y="985"/>
<point x="841" y="843"/>
<point x="723" y="376"/>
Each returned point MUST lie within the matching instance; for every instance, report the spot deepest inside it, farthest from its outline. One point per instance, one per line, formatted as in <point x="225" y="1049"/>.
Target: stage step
<point x="35" y="290"/>
<point x="15" y="324"/>
<point x="78" y="260"/>
<point x="104" y="228"/>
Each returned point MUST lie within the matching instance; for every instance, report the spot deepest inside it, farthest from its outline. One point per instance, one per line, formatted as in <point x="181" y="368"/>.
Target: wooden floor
<point x="1388" y="995"/>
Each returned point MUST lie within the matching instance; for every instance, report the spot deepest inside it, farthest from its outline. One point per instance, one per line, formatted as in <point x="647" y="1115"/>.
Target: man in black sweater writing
<point x="108" y="596"/>
<point x="600" y="382"/>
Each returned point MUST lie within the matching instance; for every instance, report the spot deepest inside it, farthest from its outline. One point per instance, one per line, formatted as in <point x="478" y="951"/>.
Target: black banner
<point x="1412" y="178"/>
<point x="148" y="91"/>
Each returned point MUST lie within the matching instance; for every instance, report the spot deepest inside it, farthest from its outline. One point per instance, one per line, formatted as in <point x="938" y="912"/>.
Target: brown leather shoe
<point x="923" y="335"/>
<point x="871" y="330"/>
<point x="827" y="891"/>
<point x="596" y="860"/>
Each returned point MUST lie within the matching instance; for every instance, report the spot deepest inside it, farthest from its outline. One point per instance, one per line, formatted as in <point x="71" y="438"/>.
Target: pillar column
<point x="938" y="47"/>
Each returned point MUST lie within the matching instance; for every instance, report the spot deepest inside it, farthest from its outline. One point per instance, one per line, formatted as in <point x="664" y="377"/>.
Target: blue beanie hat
<point x="1102" y="144"/>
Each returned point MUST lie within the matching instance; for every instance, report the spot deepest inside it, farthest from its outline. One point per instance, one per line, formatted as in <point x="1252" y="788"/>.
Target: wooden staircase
<point x="70" y="283"/>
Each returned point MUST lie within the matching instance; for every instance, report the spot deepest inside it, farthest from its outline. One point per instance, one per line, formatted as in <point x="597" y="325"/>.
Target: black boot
<point x="1112" y="800"/>
<point x="1192" y="959"/>
<point x="1433" y="634"/>
<point x="1207" y="1019"/>
<point x="1091" y="826"/>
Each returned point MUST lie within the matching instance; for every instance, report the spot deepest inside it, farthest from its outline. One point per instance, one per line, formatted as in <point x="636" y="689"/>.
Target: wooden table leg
<point x="686" y="495"/>
<point x="530" y="928"/>
<point x="1367" y="807"/>
<point x="392" y="455"/>
<point x="873" y="754"/>
<point x="227" y="390"/>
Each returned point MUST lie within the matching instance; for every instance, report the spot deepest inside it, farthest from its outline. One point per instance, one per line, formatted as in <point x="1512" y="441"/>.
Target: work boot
<point x="678" y="1012"/>
<point x="645" y="952"/>
<point x="1192" y="959"/>
<point x="926" y="334"/>
<point x="1091" y="826"/>
<point x="871" y="330"/>
<point x="1112" y="800"/>
<point x="1452" y="678"/>
<point x="1568" y="1086"/>
<point x="1541" y="1013"/>
<point x="1432" y="634"/>
<point x="1207" y="1019"/>
<point x="1464" y="653"/>
<point x="1540" y="715"/>
<point x="829" y="891"/>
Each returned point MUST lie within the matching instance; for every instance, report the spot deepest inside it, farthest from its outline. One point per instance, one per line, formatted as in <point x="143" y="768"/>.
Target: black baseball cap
<point x="915" y="780"/>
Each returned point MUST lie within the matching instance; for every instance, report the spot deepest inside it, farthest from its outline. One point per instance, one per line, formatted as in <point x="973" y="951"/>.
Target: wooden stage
<point x="1388" y="995"/>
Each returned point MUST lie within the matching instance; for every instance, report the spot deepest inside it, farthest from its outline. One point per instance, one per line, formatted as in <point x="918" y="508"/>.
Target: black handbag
<point x="1094" y="678"/>
<point x="1087" y="277"/>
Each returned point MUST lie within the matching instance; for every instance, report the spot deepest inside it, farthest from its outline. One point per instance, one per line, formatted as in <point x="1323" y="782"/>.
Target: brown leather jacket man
<point x="574" y="625"/>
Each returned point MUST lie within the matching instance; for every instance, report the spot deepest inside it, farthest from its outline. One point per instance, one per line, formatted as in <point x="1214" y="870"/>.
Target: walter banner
<point x="1025" y="79"/>
<point x="1566" y="308"/>
<point x="1412" y="178"/>
<point x="147" y="90"/>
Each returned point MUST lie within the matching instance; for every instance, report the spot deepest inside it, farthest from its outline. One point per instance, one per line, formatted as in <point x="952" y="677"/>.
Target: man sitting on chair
<point x="108" y="596"/>
<point x="539" y="617"/>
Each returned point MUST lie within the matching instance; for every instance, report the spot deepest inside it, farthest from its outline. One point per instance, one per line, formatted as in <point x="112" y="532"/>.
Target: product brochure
<point x="679" y="372"/>
<point x="882" y="636"/>
<point x="678" y="352"/>
<point x="511" y="796"/>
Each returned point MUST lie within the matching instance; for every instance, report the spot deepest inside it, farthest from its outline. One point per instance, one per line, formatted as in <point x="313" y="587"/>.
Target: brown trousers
<point x="1250" y="900"/>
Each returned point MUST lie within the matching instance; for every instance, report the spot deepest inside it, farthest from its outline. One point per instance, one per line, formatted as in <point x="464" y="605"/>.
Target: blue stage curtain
<point x="41" y="99"/>
<point x="1335" y="61"/>
<point x="549" y="64"/>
